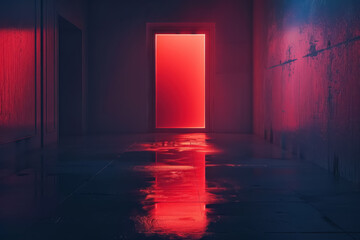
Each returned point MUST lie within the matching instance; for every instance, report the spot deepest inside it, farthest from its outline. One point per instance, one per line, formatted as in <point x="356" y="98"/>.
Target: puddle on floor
<point x="175" y="203"/>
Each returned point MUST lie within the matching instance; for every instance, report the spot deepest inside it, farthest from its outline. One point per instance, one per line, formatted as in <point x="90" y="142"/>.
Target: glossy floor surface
<point x="174" y="186"/>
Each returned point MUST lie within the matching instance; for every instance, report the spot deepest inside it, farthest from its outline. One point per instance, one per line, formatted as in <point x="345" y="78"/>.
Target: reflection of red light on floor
<point x="180" y="80"/>
<point x="179" y="143"/>
<point x="176" y="201"/>
<point x="180" y="203"/>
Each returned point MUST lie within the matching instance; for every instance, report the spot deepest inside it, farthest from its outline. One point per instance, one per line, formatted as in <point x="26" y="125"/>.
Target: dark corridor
<point x="179" y="119"/>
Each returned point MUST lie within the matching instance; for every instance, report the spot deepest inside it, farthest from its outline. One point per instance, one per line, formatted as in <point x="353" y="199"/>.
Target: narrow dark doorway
<point x="70" y="79"/>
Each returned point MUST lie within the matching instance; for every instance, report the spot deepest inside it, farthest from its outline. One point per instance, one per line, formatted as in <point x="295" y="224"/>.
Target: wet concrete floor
<point x="173" y="186"/>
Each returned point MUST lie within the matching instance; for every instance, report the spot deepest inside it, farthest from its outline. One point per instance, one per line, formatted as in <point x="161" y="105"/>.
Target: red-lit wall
<point x="20" y="72"/>
<point x="306" y="80"/>
<point x="19" y="76"/>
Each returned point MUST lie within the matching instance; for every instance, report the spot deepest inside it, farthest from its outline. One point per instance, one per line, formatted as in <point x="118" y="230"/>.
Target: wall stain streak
<point x="284" y="63"/>
<point x="314" y="52"/>
<point x="312" y="107"/>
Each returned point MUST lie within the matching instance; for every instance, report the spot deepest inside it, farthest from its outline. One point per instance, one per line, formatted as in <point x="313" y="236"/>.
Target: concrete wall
<point x="307" y="80"/>
<point x="118" y="68"/>
<point x="20" y="115"/>
<point x="29" y="86"/>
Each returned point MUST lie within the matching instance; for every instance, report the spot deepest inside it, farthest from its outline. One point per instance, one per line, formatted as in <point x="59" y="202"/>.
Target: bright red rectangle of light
<point x="180" y="80"/>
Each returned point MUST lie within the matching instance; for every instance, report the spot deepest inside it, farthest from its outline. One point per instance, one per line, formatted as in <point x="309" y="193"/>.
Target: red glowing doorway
<point x="181" y="69"/>
<point x="180" y="80"/>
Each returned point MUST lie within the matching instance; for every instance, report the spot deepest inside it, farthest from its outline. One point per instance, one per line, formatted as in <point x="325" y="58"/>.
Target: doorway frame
<point x="181" y="28"/>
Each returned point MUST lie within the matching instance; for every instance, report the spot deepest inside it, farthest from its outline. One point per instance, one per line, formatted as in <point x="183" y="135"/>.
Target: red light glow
<point x="180" y="203"/>
<point x="176" y="200"/>
<point x="180" y="80"/>
<point x="17" y="83"/>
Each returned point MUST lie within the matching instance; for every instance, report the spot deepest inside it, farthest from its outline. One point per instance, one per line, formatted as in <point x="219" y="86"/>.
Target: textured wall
<point x="118" y="68"/>
<point x="22" y="117"/>
<point x="18" y="76"/>
<point x="20" y="80"/>
<point x="307" y="80"/>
